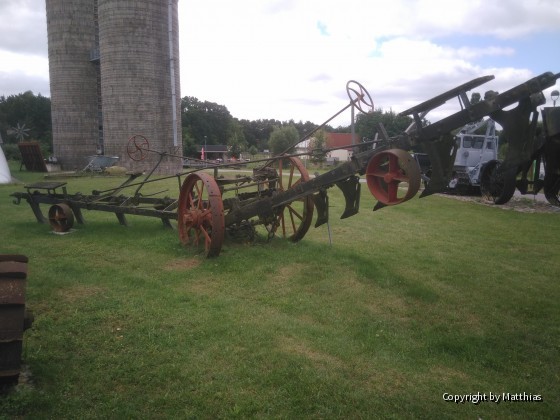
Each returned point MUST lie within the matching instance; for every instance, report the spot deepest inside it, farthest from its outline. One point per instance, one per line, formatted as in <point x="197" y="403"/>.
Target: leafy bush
<point x="11" y="152"/>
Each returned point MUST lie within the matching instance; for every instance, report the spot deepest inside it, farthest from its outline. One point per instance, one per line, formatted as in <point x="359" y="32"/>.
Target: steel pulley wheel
<point x="137" y="147"/>
<point x="292" y="220"/>
<point x="393" y="176"/>
<point x="497" y="185"/>
<point x="358" y="95"/>
<point x="201" y="214"/>
<point x="61" y="217"/>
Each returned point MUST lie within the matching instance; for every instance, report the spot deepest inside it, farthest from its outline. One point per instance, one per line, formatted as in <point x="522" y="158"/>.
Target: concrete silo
<point x="73" y="80"/>
<point x="114" y="68"/>
<point x="139" y="51"/>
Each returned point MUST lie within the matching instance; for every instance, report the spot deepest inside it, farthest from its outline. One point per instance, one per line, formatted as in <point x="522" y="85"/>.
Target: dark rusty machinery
<point x="14" y="318"/>
<point x="549" y="154"/>
<point x="280" y="194"/>
<point x="532" y="158"/>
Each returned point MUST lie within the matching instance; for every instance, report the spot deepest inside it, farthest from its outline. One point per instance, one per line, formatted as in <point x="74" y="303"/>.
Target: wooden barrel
<point x="13" y="275"/>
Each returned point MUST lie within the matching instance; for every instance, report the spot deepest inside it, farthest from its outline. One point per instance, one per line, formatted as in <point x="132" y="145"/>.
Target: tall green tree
<point x="28" y="111"/>
<point x="368" y="124"/>
<point x="189" y="144"/>
<point x="257" y="133"/>
<point x="281" y="138"/>
<point x="236" y="140"/>
<point x="205" y="120"/>
<point x="253" y="150"/>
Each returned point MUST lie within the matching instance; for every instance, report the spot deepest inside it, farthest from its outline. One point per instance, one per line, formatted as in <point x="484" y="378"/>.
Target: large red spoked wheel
<point x="137" y="147"/>
<point x="292" y="220"/>
<point x="201" y="214"/>
<point x="393" y="176"/>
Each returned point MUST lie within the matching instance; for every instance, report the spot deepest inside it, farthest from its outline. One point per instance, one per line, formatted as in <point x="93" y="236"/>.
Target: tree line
<point x="210" y="123"/>
<point x="27" y="116"/>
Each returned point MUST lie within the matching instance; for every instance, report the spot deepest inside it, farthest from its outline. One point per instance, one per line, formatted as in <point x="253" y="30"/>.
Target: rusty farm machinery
<point x="281" y="195"/>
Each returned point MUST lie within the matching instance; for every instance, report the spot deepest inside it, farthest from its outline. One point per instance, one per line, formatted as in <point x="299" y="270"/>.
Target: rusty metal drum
<point x="13" y="275"/>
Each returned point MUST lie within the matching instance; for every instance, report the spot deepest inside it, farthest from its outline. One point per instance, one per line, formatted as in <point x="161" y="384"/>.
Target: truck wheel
<point x="496" y="184"/>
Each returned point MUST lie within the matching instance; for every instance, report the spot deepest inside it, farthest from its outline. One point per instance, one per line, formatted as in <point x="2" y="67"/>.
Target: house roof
<point x="340" y="140"/>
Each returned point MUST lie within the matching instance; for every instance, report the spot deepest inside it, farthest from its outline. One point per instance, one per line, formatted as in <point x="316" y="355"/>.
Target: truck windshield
<point x="473" y="142"/>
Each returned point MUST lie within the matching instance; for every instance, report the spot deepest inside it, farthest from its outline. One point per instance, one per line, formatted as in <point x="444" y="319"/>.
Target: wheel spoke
<point x="291" y="177"/>
<point x="292" y="219"/>
<point x="196" y="236"/>
<point x="377" y="174"/>
<point x="294" y="212"/>
<point x="207" y="239"/>
<point x="187" y="221"/>
<point x="281" y="177"/>
<point x="401" y="177"/>
<point x="200" y="191"/>
<point x="392" y="190"/>
<point x="393" y="164"/>
<point x="299" y="181"/>
<point x="291" y="213"/>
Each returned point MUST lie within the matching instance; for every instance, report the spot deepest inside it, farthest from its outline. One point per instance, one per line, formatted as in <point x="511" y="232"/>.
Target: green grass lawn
<point x="435" y="296"/>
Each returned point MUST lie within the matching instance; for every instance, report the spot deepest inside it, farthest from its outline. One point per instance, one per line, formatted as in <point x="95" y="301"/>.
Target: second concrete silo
<point x="139" y="55"/>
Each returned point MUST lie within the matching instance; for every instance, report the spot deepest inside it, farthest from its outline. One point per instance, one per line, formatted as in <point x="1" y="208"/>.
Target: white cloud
<point x="21" y="72"/>
<point x="27" y="64"/>
<point x="291" y="59"/>
<point x="23" y="28"/>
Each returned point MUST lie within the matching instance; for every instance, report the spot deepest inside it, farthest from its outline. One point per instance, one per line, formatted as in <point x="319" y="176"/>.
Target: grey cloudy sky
<point x="291" y="59"/>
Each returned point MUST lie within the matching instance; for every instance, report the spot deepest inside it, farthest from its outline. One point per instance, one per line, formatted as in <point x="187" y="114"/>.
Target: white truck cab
<point x="473" y="151"/>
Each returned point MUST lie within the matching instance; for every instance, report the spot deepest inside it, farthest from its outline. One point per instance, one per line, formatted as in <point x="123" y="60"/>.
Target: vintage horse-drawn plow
<point x="281" y="195"/>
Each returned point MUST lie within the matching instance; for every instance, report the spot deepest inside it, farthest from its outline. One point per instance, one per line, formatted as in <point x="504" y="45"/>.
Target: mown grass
<point x="430" y="297"/>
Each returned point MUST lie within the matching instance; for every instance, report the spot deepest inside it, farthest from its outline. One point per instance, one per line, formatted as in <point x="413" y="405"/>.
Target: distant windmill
<point x="19" y="131"/>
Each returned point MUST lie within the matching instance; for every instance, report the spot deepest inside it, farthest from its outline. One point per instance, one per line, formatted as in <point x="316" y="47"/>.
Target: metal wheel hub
<point x="196" y="218"/>
<point x="390" y="169"/>
<point x="201" y="214"/>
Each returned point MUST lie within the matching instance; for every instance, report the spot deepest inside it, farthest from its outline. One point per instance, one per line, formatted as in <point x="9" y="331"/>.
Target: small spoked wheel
<point x="393" y="176"/>
<point x="61" y="217"/>
<point x="359" y="96"/>
<point x="201" y="214"/>
<point x="137" y="147"/>
<point x="292" y="220"/>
